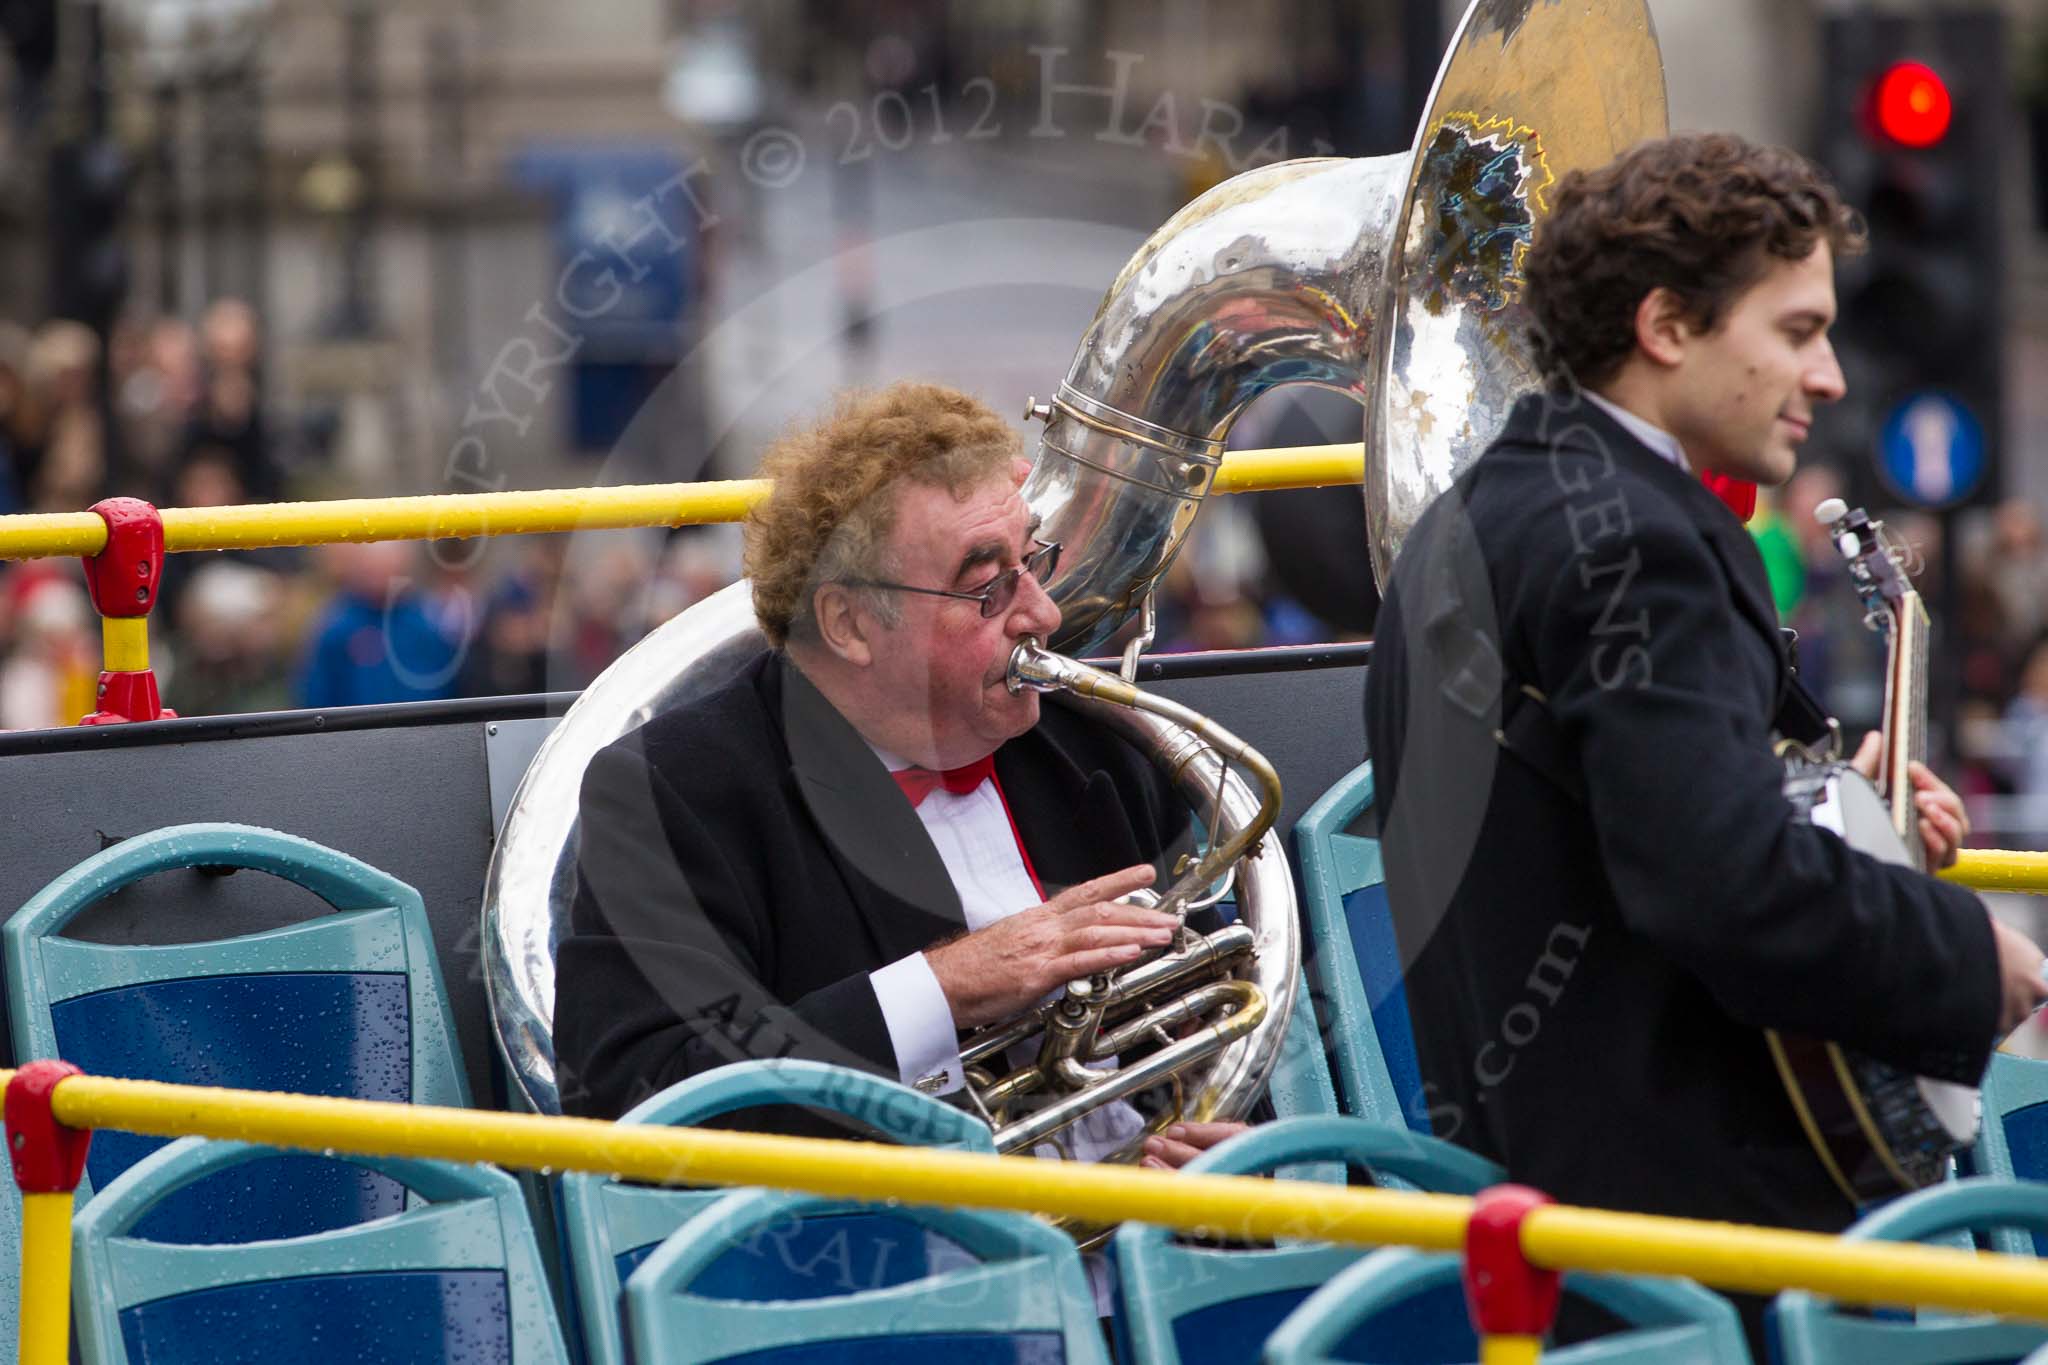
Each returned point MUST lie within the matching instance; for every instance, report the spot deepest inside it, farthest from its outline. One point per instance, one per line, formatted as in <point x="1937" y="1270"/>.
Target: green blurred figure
<point x="1780" y="549"/>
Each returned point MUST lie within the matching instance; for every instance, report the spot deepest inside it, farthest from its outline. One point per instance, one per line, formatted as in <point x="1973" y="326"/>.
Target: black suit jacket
<point x="1588" y="979"/>
<point x="744" y="862"/>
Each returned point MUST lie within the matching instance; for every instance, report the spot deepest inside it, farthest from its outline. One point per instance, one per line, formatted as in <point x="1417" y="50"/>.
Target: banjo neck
<point x="1904" y="724"/>
<point x="1891" y="605"/>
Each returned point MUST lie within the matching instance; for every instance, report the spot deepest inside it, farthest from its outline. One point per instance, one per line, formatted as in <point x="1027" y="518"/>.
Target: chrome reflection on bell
<point x="1237" y="293"/>
<point x="1395" y="279"/>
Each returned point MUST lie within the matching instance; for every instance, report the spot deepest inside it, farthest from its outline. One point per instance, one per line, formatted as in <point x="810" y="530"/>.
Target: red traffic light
<point x="1910" y="105"/>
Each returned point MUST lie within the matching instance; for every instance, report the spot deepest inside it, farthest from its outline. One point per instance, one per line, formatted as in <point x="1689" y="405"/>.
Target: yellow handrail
<point x="45" y="535"/>
<point x="1997" y="869"/>
<point x="456" y="515"/>
<point x="1556" y="1237"/>
<point x="1255" y="1208"/>
<point x="461" y="515"/>
<point x="1254" y="471"/>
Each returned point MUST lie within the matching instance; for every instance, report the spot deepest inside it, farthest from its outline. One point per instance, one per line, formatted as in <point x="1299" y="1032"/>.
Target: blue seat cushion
<point x="2026" y="1138"/>
<point x="815" y="1258"/>
<point x="1234" y="1330"/>
<point x="1371" y="925"/>
<point x="312" y="1033"/>
<point x="1432" y="1327"/>
<point x="409" y="1317"/>
<point x="954" y="1348"/>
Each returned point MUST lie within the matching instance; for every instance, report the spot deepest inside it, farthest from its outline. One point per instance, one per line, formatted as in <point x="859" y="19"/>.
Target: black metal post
<point x="170" y="245"/>
<point x="359" y="101"/>
<point x="448" y="103"/>
<point x="87" y="178"/>
<point x="214" y="182"/>
<point x="256" y="191"/>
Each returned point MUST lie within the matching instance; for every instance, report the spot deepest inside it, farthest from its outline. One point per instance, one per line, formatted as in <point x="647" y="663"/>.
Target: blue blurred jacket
<point x="364" y="652"/>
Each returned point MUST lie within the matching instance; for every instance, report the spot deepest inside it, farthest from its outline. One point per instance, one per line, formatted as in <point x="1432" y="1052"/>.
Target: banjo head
<point x="1849" y="805"/>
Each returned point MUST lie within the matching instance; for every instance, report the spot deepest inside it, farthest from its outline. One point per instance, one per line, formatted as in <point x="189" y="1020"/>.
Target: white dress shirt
<point x="1655" y="437"/>
<point x="978" y="845"/>
<point x="973" y="836"/>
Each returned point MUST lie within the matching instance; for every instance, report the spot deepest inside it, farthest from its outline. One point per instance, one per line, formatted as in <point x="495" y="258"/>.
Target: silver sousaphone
<point x="1395" y="279"/>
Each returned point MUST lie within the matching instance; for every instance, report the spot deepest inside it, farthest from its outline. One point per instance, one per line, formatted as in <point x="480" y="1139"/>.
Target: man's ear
<point x="842" y="624"/>
<point x="1663" y="327"/>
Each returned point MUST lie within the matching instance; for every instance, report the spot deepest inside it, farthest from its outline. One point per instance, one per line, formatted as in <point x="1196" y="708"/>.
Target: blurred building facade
<point x="386" y="182"/>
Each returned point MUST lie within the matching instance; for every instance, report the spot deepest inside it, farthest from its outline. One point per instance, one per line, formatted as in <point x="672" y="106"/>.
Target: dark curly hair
<point x="830" y="512"/>
<point x="1700" y="215"/>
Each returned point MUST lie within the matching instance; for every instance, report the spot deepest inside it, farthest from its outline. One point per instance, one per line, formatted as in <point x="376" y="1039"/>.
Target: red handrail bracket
<point x="48" y="1156"/>
<point x="123" y="576"/>
<point x="1506" y="1295"/>
<point x="122" y="580"/>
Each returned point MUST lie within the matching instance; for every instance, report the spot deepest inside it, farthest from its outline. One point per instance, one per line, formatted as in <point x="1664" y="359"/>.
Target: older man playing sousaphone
<point x="865" y="842"/>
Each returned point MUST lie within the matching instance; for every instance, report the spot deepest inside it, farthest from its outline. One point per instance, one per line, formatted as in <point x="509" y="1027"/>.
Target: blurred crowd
<point x="170" y="412"/>
<point x="183" y="424"/>
<point x="174" y="413"/>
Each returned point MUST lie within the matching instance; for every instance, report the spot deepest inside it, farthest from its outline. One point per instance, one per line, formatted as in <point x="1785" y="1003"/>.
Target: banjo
<point x="1878" y="1130"/>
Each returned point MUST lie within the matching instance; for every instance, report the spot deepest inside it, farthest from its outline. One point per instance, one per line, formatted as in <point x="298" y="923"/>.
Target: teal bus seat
<point x="1300" y="1082"/>
<point x="1403" y="1305"/>
<point x="2013" y="1141"/>
<point x="348" y="1003"/>
<point x="1812" y="1329"/>
<point x="1193" y="1305"/>
<point x="1301" y="1085"/>
<point x="1354" y="962"/>
<point x="609" y="1227"/>
<point x="455" y="1277"/>
<point x="1021" y="1298"/>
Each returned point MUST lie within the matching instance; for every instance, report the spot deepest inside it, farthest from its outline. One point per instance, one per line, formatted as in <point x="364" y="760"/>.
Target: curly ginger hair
<point x="831" y="511"/>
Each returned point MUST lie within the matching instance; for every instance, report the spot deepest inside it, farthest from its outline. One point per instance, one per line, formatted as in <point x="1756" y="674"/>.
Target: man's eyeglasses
<point x="995" y="595"/>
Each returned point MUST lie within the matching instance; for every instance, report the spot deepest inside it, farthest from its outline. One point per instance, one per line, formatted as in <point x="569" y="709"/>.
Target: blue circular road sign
<point x="1932" y="449"/>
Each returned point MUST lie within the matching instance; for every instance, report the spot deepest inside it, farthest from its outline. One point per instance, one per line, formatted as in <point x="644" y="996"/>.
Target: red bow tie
<point x="1737" y="493"/>
<point x="918" y="783"/>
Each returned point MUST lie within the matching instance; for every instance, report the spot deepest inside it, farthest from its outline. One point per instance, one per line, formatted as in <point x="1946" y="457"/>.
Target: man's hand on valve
<point x="998" y="972"/>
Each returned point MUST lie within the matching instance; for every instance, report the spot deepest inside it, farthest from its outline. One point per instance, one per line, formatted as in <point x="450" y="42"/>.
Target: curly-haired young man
<point x="1601" y="893"/>
<point x="865" y="842"/>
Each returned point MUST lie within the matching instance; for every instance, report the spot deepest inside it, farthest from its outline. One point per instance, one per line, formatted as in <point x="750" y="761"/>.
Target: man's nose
<point x="1824" y="380"/>
<point x="1033" y="612"/>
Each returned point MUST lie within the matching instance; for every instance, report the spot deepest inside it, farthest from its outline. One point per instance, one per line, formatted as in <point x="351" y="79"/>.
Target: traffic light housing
<point x="29" y="29"/>
<point x="89" y="256"/>
<point x="1913" y="111"/>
